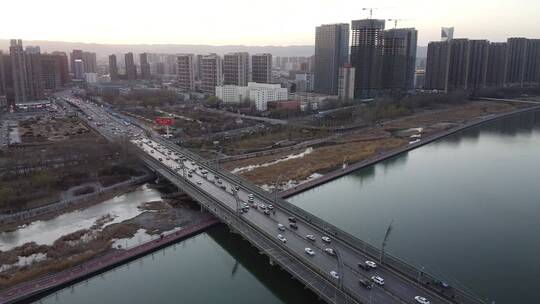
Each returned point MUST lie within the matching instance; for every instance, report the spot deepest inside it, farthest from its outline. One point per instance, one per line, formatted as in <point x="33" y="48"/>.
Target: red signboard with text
<point x="164" y="121"/>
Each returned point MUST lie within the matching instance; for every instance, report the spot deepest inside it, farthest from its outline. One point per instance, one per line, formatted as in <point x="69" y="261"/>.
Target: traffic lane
<point x="295" y="242"/>
<point x="398" y="286"/>
<point x="276" y="218"/>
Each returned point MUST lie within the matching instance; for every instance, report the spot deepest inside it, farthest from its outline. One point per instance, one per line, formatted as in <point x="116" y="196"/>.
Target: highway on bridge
<point x="332" y="270"/>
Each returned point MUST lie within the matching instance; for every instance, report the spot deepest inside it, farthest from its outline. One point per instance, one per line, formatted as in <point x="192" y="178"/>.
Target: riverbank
<point x="382" y="156"/>
<point x="29" y="291"/>
<point x="12" y="220"/>
<point x="47" y="246"/>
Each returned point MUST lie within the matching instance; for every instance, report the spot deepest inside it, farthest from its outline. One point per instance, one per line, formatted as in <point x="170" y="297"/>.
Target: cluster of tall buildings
<point x="206" y="72"/>
<point x="26" y="74"/>
<point x="469" y="64"/>
<point x="130" y="68"/>
<point x="377" y="61"/>
<point x="81" y="63"/>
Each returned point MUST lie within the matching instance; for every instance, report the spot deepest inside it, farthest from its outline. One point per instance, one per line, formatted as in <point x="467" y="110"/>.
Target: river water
<point x="465" y="208"/>
<point x="122" y="207"/>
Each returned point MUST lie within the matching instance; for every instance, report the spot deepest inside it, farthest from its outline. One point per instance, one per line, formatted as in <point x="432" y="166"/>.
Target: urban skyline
<point x="426" y="17"/>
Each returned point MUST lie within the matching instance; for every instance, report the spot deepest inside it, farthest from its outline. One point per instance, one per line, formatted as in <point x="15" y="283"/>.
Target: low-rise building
<point x="258" y="93"/>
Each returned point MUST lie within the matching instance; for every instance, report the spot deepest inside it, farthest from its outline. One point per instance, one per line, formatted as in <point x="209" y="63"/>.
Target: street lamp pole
<point x="276" y="189"/>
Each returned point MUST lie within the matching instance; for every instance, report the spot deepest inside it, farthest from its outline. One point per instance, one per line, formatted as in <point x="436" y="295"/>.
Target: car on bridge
<point x="330" y="251"/>
<point x="334" y="274"/>
<point x="309" y="251"/>
<point x="365" y="283"/>
<point x="281" y="227"/>
<point x="422" y="300"/>
<point x="377" y="279"/>
<point x="310" y="237"/>
<point x="371" y="264"/>
<point x="282" y="238"/>
<point x="326" y="239"/>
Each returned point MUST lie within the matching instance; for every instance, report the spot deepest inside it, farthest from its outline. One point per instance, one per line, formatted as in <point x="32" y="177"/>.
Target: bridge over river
<point x="280" y="230"/>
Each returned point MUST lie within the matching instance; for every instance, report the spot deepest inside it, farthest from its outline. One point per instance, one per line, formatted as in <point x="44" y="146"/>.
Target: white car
<point x="281" y="227"/>
<point x="378" y="280"/>
<point x="309" y="251"/>
<point x="326" y="239"/>
<point x="282" y="238"/>
<point x="330" y="251"/>
<point x="371" y="264"/>
<point x="199" y="182"/>
<point x="310" y="237"/>
<point x="334" y="274"/>
<point x="421" y="300"/>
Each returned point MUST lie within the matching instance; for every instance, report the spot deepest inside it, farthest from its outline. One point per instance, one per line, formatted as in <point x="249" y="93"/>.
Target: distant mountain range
<point x="103" y="50"/>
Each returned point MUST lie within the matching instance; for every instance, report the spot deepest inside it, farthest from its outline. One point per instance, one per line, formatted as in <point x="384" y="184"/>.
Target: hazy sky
<point x="254" y="22"/>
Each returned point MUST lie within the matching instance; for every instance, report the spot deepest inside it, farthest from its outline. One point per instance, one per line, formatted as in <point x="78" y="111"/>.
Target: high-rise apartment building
<point x="236" y="69"/>
<point x="346" y="82"/>
<point x="51" y="74"/>
<point x="3" y="87"/>
<point x="458" y="73"/>
<point x="532" y="70"/>
<point x="261" y="68"/>
<point x="113" y="68"/>
<point x="398" y="60"/>
<point x="90" y="62"/>
<point x="517" y="60"/>
<point x="331" y="53"/>
<point x="75" y="55"/>
<point x="447" y="33"/>
<point x="497" y="64"/>
<point x="33" y="74"/>
<point x="211" y="73"/>
<point x="64" y="67"/>
<point x="186" y="72"/>
<point x="18" y="67"/>
<point x="7" y="79"/>
<point x="78" y="72"/>
<point x="131" y="69"/>
<point x="437" y="66"/>
<point x="478" y="64"/>
<point x="145" y="66"/>
<point x="366" y="56"/>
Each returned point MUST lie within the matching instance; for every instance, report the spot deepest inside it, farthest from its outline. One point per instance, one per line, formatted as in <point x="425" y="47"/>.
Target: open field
<point x="363" y="143"/>
<point x="55" y="156"/>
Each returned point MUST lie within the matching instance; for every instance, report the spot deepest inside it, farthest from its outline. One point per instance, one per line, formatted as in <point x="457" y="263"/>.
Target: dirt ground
<point x="361" y="144"/>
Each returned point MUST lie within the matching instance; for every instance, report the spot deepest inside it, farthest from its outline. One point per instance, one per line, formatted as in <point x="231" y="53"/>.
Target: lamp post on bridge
<point x="276" y="189"/>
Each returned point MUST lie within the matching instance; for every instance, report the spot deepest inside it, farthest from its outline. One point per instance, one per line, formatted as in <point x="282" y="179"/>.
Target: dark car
<point x="364" y="266"/>
<point x="293" y="226"/>
<point x="365" y="283"/>
<point x="292" y="219"/>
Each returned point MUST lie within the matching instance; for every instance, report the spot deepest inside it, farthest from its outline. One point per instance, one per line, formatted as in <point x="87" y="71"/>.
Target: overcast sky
<point x="255" y="22"/>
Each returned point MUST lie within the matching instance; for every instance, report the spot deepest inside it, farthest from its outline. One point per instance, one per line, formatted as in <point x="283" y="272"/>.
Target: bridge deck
<point x="402" y="281"/>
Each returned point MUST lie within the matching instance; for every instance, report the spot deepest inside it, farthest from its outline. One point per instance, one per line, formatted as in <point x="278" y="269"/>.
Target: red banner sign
<point x="164" y="121"/>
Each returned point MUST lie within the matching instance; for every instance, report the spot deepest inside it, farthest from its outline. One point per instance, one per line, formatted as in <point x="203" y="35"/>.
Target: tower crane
<point x="370" y="9"/>
<point x="396" y="21"/>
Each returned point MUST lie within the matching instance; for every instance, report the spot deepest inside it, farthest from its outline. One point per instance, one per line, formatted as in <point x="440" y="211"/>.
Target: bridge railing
<point x="411" y="272"/>
<point x="336" y="296"/>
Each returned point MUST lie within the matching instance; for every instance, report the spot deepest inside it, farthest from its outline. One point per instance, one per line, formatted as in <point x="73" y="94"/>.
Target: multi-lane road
<point x="336" y="260"/>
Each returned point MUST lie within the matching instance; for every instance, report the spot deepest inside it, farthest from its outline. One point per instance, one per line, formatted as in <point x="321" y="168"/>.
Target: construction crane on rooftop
<point x="370" y="9"/>
<point x="396" y="21"/>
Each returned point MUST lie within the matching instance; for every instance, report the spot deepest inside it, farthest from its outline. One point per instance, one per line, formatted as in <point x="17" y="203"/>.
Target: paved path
<point x="41" y="286"/>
